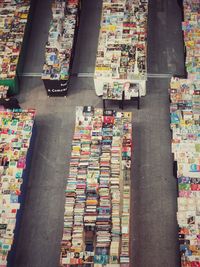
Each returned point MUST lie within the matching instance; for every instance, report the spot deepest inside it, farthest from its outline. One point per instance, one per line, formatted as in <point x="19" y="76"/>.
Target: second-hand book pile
<point x="15" y="135"/>
<point x="191" y="28"/>
<point x="97" y="195"/>
<point x="59" y="47"/>
<point x="121" y="55"/>
<point x="185" y="125"/>
<point x="13" y="19"/>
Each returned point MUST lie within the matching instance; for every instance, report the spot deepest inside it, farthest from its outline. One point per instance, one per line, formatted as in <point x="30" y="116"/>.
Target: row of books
<point x="97" y="196"/>
<point x="15" y="135"/>
<point x="13" y="19"/>
<point x="60" y="42"/>
<point x="185" y="125"/>
<point x="3" y="91"/>
<point x="122" y="47"/>
<point x="190" y="28"/>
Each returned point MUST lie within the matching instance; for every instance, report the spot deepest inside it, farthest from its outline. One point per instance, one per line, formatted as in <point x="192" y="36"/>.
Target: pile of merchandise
<point x="121" y="55"/>
<point x="191" y="28"/>
<point x="185" y="125"/>
<point x="15" y="135"/>
<point x="97" y="204"/>
<point x="59" y="47"/>
<point x="13" y="19"/>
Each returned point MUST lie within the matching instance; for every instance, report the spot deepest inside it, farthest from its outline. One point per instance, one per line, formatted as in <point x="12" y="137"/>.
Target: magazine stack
<point x="190" y="27"/>
<point x="15" y="138"/>
<point x="60" y="46"/>
<point x="122" y="49"/>
<point x="13" y="20"/>
<point x="185" y="125"/>
<point x="97" y="195"/>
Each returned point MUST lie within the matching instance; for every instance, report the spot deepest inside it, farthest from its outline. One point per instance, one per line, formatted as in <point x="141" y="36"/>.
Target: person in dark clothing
<point x="180" y="3"/>
<point x="10" y="103"/>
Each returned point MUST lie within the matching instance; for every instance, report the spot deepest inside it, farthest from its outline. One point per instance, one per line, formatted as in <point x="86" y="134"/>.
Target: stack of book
<point x="125" y="220"/>
<point x="61" y="39"/>
<point x="190" y="28"/>
<point x="104" y="216"/>
<point x="126" y="167"/>
<point x="115" y="191"/>
<point x="3" y="91"/>
<point x="13" y="19"/>
<point x="97" y="206"/>
<point x="185" y="125"/>
<point x="15" y="135"/>
<point x="121" y="55"/>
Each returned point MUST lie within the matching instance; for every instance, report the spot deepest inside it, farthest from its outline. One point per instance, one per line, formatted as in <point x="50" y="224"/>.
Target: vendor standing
<point x="10" y="103"/>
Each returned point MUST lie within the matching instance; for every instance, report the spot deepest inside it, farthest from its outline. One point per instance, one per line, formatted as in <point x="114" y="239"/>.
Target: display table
<point x="190" y="27"/>
<point x="16" y="144"/>
<point x="185" y="125"/>
<point x="15" y="26"/>
<point x="101" y="83"/>
<point x="97" y="195"/>
<point x="56" y="87"/>
<point x="131" y="92"/>
<point x="122" y="48"/>
<point x="60" y="47"/>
